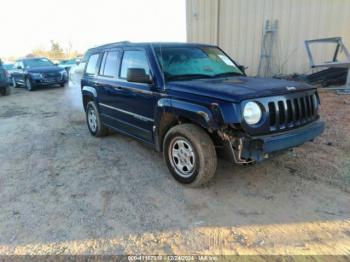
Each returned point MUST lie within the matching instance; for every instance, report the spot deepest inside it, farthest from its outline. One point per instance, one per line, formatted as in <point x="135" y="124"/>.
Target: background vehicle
<point x="67" y="64"/>
<point x="8" y="67"/>
<point x="192" y="101"/>
<point x="35" y="72"/>
<point x="4" y="81"/>
<point x="76" y="73"/>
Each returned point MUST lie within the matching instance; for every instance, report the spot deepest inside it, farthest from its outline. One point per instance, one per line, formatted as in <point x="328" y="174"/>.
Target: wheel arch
<point x="170" y="113"/>
<point x="88" y="94"/>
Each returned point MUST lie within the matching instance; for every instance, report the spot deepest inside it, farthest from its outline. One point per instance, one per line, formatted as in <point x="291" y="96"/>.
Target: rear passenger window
<point x="109" y="65"/>
<point x="91" y="66"/>
<point x="134" y="59"/>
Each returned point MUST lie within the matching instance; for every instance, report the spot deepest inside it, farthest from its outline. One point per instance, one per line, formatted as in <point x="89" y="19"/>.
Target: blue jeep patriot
<point x="192" y="102"/>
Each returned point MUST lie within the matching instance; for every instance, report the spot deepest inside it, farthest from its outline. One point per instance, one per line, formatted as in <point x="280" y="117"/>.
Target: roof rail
<point x="116" y="43"/>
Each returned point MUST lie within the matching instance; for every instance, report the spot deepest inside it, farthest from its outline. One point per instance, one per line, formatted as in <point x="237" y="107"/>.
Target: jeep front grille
<point x="284" y="112"/>
<point x="287" y="113"/>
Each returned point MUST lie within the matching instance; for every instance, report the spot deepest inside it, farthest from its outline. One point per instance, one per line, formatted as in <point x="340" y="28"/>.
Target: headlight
<point x="36" y="75"/>
<point x="252" y="113"/>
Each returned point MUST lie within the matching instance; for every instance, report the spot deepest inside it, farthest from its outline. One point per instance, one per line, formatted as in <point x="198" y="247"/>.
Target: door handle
<point x="117" y="88"/>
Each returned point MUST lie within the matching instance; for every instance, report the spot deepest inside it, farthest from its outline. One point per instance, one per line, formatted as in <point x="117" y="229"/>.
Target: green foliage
<point x="56" y="50"/>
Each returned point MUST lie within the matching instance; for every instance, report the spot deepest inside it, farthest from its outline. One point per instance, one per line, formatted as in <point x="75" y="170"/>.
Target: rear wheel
<point x="29" y="85"/>
<point x="95" y="125"/>
<point x="190" y="154"/>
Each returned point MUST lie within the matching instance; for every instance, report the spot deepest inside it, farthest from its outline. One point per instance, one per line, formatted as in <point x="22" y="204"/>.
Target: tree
<point x="38" y="52"/>
<point x="56" y="50"/>
<point x="69" y="49"/>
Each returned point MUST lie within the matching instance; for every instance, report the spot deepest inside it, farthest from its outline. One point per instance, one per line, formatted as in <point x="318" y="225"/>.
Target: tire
<point x="196" y="165"/>
<point x="29" y="84"/>
<point x="93" y="120"/>
<point x="5" y="91"/>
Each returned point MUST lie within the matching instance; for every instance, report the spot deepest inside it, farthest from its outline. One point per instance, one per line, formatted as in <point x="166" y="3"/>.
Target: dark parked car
<point x="192" y="101"/>
<point x="35" y="72"/>
<point x="4" y="81"/>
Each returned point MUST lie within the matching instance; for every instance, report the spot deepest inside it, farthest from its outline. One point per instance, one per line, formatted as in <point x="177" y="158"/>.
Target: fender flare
<point x="89" y="90"/>
<point x="198" y="114"/>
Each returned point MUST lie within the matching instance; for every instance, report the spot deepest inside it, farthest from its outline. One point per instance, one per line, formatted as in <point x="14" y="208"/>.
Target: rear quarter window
<point x="92" y="64"/>
<point x="110" y="64"/>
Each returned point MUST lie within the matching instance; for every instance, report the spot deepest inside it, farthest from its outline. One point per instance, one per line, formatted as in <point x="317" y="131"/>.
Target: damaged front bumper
<point x="246" y="150"/>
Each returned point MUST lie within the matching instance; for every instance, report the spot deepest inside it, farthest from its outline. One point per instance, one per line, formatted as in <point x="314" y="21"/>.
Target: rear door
<point x="89" y="79"/>
<point x="107" y="78"/>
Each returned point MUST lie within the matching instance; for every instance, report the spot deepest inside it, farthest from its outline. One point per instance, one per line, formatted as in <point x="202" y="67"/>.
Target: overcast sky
<point x="26" y="25"/>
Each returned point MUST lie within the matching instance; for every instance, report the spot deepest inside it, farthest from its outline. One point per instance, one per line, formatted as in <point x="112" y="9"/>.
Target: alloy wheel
<point x="182" y="156"/>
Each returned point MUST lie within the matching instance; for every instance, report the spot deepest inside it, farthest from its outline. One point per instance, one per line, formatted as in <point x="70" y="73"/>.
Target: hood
<point x="235" y="89"/>
<point x="45" y="69"/>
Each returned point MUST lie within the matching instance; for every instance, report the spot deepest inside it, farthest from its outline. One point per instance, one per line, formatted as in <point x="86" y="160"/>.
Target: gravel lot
<point x="65" y="192"/>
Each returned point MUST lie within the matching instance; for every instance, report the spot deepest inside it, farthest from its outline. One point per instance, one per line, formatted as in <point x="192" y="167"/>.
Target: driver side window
<point x="134" y="59"/>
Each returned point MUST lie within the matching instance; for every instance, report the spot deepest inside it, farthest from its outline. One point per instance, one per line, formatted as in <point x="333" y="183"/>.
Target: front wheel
<point x="29" y="85"/>
<point x="190" y="154"/>
<point x="95" y="125"/>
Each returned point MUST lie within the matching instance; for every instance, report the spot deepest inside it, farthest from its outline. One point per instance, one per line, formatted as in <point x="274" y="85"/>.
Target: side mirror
<point x="138" y="75"/>
<point x="19" y="67"/>
<point x="242" y="68"/>
<point x="77" y="62"/>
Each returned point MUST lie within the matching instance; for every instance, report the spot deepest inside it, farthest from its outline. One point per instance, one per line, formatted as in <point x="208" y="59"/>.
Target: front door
<point x="18" y="73"/>
<point x="128" y="106"/>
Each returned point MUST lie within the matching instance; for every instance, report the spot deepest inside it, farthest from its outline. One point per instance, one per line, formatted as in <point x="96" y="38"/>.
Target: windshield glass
<point x="184" y="63"/>
<point x="68" y="62"/>
<point x="39" y="62"/>
<point x="8" y="66"/>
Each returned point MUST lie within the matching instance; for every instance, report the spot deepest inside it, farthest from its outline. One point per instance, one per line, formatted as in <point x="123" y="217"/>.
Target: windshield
<point x="8" y="66"/>
<point x="39" y="62"/>
<point x="185" y="63"/>
<point x="68" y="62"/>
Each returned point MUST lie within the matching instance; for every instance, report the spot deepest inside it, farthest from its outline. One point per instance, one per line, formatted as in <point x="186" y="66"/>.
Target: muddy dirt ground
<point x="65" y="192"/>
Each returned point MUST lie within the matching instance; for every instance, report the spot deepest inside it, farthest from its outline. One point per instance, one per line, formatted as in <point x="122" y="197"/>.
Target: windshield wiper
<point x="227" y="74"/>
<point x="187" y="77"/>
